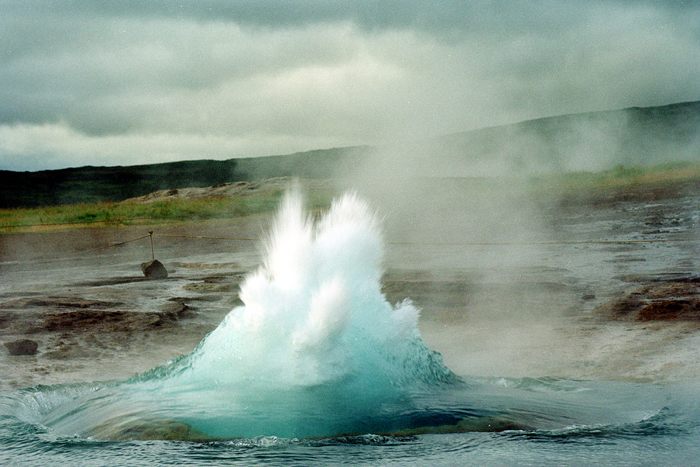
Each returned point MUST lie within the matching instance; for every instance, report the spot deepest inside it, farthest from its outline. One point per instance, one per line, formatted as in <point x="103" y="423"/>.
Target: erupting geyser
<point x="314" y="313"/>
<point x="316" y="349"/>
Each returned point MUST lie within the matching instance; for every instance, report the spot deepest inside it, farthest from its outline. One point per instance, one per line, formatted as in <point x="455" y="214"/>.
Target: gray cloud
<point x="485" y="17"/>
<point x="264" y="77"/>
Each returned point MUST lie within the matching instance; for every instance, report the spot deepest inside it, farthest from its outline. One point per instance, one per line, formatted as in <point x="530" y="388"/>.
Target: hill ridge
<point x="580" y="141"/>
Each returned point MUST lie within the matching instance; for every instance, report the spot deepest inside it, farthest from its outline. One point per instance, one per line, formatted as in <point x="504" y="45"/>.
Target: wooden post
<point x="150" y="234"/>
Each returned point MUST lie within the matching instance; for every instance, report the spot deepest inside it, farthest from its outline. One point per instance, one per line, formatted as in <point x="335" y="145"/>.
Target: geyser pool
<point x="315" y="350"/>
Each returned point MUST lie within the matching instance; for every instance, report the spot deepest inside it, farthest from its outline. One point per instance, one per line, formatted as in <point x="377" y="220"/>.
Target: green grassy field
<point x="579" y="186"/>
<point x="128" y="213"/>
<point x="621" y="177"/>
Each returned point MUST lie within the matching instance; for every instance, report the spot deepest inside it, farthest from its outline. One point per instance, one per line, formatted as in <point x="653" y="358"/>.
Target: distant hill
<point x="91" y="184"/>
<point x="587" y="141"/>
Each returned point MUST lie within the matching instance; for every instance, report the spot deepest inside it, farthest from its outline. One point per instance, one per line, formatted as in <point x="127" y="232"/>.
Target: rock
<point x="176" y="310"/>
<point x="154" y="270"/>
<point x="672" y="309"/>
<point x="22" y="347"/>
<point x="674" y="300"/>
<point x="58" y="302"/>
<point x="171" y="430"/>
<point x="102" y="321"/>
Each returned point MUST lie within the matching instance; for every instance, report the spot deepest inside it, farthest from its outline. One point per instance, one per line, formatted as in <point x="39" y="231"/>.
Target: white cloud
<point x="155" y="82"/>
<point x="35" y="147"/>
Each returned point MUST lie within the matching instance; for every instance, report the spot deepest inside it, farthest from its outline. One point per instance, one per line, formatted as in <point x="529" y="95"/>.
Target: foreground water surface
<point x="317" y="367"/>
<point x="570" y="422"/>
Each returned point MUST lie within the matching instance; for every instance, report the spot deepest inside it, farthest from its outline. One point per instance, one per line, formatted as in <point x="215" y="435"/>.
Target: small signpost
<point x="153" y="269"/>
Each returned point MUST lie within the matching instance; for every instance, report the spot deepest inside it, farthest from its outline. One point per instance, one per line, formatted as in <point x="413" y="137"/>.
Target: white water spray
<point x="314" y="312"/>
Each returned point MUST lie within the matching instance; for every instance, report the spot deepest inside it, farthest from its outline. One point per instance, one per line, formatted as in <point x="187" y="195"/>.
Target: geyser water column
<point x="316" y="349"/>
<point x="314" y="312"/>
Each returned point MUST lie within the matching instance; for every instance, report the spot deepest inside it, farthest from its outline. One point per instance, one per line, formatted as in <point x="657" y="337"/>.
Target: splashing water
<point x="316" y="350"/>
<point x="314" y="313"/>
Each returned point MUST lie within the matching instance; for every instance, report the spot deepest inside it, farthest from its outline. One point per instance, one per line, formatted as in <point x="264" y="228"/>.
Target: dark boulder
<point x="154" y="270"/>
<point x="22" y="347"/>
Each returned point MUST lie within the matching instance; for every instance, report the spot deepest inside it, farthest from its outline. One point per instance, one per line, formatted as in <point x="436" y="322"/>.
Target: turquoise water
<point x="317" y="367"/>
<point x="570" y="422"/>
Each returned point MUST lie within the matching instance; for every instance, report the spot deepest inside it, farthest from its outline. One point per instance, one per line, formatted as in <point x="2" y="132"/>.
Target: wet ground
<point x="93" y="313"/>
<point x="595" y="290"/>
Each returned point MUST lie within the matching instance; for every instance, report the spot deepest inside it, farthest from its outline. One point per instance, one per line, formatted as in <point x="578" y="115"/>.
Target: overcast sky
<point x="128" y="82"/>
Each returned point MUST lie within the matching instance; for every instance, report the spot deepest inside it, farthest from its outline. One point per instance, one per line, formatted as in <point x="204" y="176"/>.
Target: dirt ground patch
<point x="677" y="300"/>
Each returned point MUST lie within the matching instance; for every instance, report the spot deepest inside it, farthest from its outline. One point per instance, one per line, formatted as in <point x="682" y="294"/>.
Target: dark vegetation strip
<point x="579" y="187"/>
<point x="110" y="184"/>
<point x="136" y="212"/>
